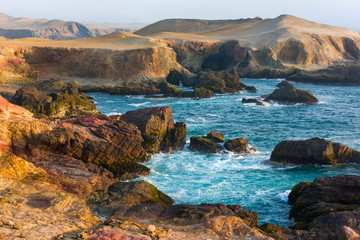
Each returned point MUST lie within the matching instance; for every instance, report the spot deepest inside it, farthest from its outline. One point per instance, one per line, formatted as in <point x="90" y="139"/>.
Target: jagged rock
<point x="253" y="100"/>
<point x="120" y="197"/>
<point x="115" y="145"/>
<point x="217" y="137"/>
<point x="238" y="145"/>
<point x="287" y="94"/>
<point x="205" y="145"/>
<point x="157" y="128"/>
<point x="64" y="101"/>
<point x="34" y="206"/>
<point x="326" y="202"/>
<point x="313" y="151"/>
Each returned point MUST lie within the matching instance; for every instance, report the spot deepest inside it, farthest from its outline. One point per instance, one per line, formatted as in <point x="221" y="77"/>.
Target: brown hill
<point x="288" y="40"/>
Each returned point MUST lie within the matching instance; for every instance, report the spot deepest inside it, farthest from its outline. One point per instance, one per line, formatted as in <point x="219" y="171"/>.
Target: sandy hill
<point x="20" y="27"/>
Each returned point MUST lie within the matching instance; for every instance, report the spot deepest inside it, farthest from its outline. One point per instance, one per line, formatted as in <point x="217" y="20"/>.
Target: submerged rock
<point x="239" y="145"/>
<point x="287" y="94"/>
<point x="313" y="151"/>
<point x="327" y="204"/>
<point x="253" y="100"/>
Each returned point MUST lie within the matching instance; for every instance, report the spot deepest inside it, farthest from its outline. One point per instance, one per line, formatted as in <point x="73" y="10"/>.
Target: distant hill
<point x="20" y="27"/>
<point x="287" y="39"/>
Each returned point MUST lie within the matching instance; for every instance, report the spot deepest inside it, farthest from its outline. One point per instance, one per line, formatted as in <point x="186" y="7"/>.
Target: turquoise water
<point x="195" y="178"/>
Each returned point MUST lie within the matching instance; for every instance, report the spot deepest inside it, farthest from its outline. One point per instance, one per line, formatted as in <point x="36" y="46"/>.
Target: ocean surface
<point x="195" y="178"/>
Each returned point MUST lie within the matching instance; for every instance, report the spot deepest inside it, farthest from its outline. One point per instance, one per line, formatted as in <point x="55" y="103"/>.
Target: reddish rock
<point x="11" y="111"/>
<point x="102" y="234"/>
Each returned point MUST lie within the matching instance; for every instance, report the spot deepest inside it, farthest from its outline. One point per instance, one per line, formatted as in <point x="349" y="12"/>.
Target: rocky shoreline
<point x="52" y="168"/>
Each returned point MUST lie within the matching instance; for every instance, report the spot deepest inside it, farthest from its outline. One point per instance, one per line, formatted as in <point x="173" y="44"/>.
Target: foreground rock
<point x="287" y="94"/>
<point x="158" y="129"/>
<point x="330" y="205"/>
<point x="313" y="151"/>
<point x="32" y="206"/>
<point x="239" y="145"/>
<point x="128" y="199"/>
<point x="62" y="101"/>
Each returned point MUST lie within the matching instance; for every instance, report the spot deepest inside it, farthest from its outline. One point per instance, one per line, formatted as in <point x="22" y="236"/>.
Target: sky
<point x="344" y="13"/>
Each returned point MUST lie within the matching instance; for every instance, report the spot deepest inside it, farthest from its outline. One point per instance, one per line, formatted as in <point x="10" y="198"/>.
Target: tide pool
<point x="195" y="178"/>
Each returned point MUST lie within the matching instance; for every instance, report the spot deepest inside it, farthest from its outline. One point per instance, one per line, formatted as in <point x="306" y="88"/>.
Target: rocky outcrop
<point x="113" y="234"/>
<point x="226" y="81"/>
<point x="313" y="151"/>
<point x="127" y="199"/>
<point x="239" y="145"/>
<point x="330" y="205"/>
<point x="287" y="94"/>
<point x="64" y="103"/>
<point x="33" y="206"/>
<point x="158" y="129"/>
<point x="10" y="111"/>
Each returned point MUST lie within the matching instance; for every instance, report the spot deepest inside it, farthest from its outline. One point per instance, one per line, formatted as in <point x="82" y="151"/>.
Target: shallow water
<point x="195" y="178"/>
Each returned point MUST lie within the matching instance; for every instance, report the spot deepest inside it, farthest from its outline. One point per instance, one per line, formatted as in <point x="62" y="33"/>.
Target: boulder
<point x="205" y="145"/>
<point x="120" y="197"/>
<point x="287" y="94"/>
<point x="158" y="129"/>
<point x="253" y="100"/>
<point x="238" y="145"/>
<point x="313" y="151"/>
<point x="217" y="137"/>
<point x="326" y="203"/>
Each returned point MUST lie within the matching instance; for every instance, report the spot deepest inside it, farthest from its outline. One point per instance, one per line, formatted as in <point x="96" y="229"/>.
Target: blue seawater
<point x="195" y="178"/>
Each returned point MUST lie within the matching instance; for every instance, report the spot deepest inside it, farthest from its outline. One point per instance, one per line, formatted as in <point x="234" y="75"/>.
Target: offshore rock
<point x="63" y="101"/>
<point x="239" y="145"/>
<point x="329" y="204"/>
<point x="217" y="137"/>
<point x="33" y="206"/>
<point x="313" y="151"/>
<point x="287" y="94"/>
<point x="205" y="145"/>
<point x="158" y="129"/>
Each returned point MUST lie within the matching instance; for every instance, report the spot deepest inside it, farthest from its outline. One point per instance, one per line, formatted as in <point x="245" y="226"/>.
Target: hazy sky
<point x="344" y="13"/>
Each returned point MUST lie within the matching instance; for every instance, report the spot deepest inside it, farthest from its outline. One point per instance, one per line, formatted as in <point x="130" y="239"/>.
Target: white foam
<point x="114" y="113"/>
<point x="138" y="104"/>
<point x="284" y="196"/>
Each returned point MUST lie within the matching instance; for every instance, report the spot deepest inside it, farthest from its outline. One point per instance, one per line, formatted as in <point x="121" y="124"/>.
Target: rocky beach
<point x="184" y="129"/>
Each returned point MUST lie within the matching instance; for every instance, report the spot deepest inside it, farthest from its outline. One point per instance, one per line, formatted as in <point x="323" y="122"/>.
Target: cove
<point x="195" y="178"/>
